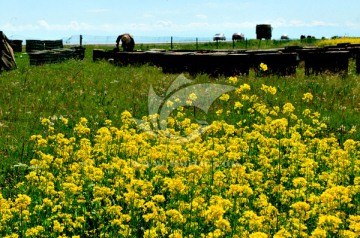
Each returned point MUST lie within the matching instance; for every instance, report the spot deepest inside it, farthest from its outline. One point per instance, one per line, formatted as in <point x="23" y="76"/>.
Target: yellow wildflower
<point x="243" y="88"/>
<point x="240" y="190"/>
<point x="263" y="67"/>
<point x="299" y="182"/>
<point x="22" y="202"/>
<point x="238" y="105"/>
<point x="176" y="234"/>
<point x="64" y="120"/>
<point x="223" y="225"/>
<point x="34" y="231"/>
<point x="318" y="233"/>
<point x="354" y="224"/>
<point x="258" y="235"/>
<point x="329" y="222"/>
<point x="288" y="108"/>
<point x="175" y="216"/>
<point x="307" y="97"/>
<point x="268" y="89"/>
<point x="301" y="209"/>
<point x="219" y="112"/>
<point x="225" y="97"/>
<point x="57" y="226"/>
<point x="45" y="122"/>
<point x="192" y="97"/>
<point x="214" y="213"/>
<point x="150" y="233"/>
<point x="47" y="202"/>
<point x="169" y="103"/>
<point x="158" y="198"/>
<point x="233" y="80"/>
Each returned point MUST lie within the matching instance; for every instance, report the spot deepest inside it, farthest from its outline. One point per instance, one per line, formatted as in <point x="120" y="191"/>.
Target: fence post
<point x="81" y="37"/>
<point x="197" y="45"/>
<point x="171" y="43"/>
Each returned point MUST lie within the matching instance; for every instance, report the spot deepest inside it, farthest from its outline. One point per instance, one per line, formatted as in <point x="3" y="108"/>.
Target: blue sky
<point x="48" y="19"/>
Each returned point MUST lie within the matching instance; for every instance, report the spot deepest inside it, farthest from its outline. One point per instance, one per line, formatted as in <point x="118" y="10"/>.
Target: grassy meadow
<point x="281" y="158"/>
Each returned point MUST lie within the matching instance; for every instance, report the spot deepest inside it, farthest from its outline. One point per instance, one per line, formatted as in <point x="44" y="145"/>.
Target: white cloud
<point x="44" y="24"/>
<point x="71" y="26"/>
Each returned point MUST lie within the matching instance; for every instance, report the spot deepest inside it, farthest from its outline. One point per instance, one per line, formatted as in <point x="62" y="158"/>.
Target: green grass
<point x="100" y="91"/>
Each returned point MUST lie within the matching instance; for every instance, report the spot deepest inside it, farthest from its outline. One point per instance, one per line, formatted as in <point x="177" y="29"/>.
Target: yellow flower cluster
<point x="233" y="80"/>
<point x="263" y="67"/>
<point x="268" y="89"/>
<point x="307" y="97"/>
<point x="274" y="173"/>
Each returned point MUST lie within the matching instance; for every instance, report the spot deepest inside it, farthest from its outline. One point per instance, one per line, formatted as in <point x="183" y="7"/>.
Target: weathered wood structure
<point x="56" y="55"/>
<point x="52" y="51"/>
<point x="281" y="62"/>
<point x="16" y="45"/>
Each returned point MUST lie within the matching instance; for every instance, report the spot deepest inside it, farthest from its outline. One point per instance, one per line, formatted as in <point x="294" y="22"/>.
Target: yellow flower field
<point x="272" y="174"/>
<point x="330" y="42"/>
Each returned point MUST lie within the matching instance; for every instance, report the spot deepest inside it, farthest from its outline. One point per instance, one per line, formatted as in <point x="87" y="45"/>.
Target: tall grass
<point x="101" y="91"/>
